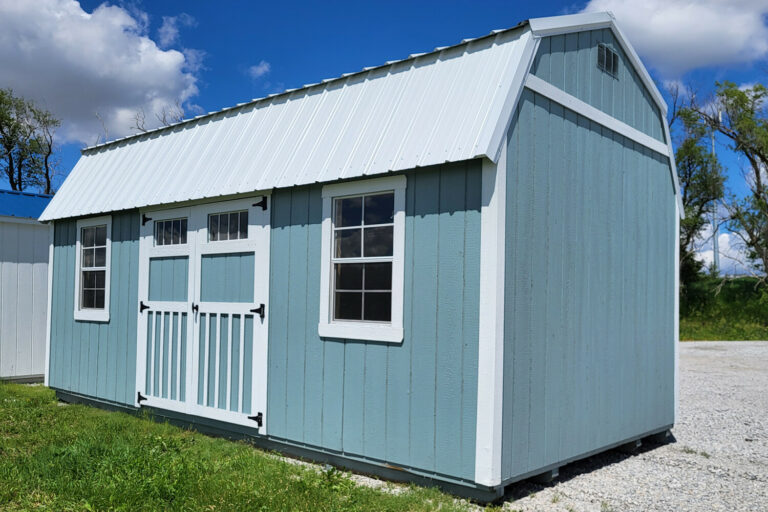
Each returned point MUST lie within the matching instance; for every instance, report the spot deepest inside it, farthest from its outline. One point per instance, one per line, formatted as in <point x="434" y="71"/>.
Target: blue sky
<point x="114" y="59"/>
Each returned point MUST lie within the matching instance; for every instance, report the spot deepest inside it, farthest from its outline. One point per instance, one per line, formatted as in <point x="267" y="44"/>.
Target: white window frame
<point x="93" y="315"/>
<point x="361" y="330"/>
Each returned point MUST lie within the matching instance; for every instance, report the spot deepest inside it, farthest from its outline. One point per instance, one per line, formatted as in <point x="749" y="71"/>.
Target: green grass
<point x="733" y="310"/>
<point x="82" y="458"/>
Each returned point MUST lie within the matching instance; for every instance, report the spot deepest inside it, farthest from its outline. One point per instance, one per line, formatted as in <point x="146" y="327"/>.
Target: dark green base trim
<point x="368" y="467"/>
<point x="24" y="379"/>
<point x="75" y="398"/>
<point x="554" y="467"/>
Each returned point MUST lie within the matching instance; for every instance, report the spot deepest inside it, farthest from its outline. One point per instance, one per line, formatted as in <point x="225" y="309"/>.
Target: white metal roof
<point x="449" y="105"/>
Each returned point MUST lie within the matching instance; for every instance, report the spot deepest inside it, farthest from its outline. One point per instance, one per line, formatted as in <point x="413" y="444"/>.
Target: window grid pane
<point x="363" y="229"/>
<point x="228" y="226"/>
<point x="171" y="232"/>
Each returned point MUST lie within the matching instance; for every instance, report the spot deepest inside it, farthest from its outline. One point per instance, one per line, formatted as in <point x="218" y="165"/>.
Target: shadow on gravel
<point x="525" y="488"/>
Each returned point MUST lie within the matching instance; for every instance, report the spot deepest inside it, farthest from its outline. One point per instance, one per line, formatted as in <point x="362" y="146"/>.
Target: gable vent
<point x="607" y="60"/>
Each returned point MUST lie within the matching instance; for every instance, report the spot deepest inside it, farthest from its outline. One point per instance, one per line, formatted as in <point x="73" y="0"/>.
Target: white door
<point x="203" y="293"/>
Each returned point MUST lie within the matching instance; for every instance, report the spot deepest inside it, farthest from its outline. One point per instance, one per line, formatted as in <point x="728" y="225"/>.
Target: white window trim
<point x="356" y="330"/>
<point x="93" y="315"/>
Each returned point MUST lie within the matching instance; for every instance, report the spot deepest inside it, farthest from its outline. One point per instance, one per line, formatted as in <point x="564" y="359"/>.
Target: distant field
<point x="737" y="312"/>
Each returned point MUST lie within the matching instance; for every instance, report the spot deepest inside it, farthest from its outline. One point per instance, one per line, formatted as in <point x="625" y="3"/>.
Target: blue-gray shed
<point x="459" y="267"/>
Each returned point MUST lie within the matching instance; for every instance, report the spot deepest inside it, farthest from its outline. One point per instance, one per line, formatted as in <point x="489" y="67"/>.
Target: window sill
<point x="357" y="331"/>
<point x="85" y="315"/>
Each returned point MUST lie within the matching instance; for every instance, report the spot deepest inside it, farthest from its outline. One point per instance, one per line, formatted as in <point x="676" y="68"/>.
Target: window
<point x="171" y="232"/>
<point x="228" y="226"/>
<point x="92" y="269"/>
<point x="607" y="60"/>
<point x="362" y="257"/>
<point x="363" y="241"/>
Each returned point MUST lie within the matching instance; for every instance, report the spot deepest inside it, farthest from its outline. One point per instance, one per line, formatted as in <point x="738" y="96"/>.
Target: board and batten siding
<point x="96" y="359"/>
<point x="23" y="298"/>
<point x="589" y="327"/>
<point x="413" y="404"/>
<point x="569" y="62"/>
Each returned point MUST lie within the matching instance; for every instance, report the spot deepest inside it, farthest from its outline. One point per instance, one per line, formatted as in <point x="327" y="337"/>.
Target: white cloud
<point x="259" y="70"/>
<point x="676" y="36"/>
<point x="733" y="255"/>
<point x="168" y="33"/>
<point x="77" y="64"/>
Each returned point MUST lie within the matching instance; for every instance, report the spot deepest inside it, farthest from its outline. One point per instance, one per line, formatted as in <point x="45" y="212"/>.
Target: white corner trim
<point x="673" y="168"/>
<point x="94" y="315"/>
<point x="393" y="331"/>
<point x="677" y="316"/>
<point x="582" y="108"/>
<point x="49" y="315"/>
<point x="490" y="364"/>
<point x="527" y="53"/>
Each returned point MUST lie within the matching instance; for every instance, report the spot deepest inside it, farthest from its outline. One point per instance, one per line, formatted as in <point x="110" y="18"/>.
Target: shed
<point x="459" y="267"/>
<point x="24" y="244"/>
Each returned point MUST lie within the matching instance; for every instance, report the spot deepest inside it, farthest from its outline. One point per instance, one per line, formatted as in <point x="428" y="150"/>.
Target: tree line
<point x="739" y="115"/>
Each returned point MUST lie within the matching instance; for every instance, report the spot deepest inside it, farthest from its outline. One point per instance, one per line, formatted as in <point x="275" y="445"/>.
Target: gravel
<point x="719" y="460"/>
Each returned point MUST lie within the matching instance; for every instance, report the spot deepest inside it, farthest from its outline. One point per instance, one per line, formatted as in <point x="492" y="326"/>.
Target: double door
<point x="203" y="311"/>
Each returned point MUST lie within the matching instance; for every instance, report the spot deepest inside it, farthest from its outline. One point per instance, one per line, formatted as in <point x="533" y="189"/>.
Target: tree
<point x="741" y="115"/>
<point x="701" y="181"/>
<point x="27" y="144"/>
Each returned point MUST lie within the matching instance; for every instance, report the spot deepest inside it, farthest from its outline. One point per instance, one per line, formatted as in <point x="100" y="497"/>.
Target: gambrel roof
<point x="448" y="105"/>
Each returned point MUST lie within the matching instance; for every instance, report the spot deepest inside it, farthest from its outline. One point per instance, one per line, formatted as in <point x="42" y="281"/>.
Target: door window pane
<point x="228" y="226"/>
<point x="171" y="232"/>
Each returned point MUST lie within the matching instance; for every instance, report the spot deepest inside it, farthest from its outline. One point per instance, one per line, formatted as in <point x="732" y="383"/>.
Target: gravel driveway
<point x="720" y="458"/>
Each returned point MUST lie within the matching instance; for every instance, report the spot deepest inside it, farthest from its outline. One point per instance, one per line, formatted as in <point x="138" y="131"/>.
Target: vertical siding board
<point x="518" y="347"/>
<point x="297" y="294"/>
<point x="426" y="253"/>
<point x="399" y="363"/>
<point x="353" y="396"/>
<point x="333" y="391"/>
<point x="313" y="389"/>
<point x="557" y="61"/>
<point x="570" y="63"/>
<point x="278" y="320"/>
<point x="541" y="256"/>
<point x="449" y="319"/>
<point x="375" y="401"/>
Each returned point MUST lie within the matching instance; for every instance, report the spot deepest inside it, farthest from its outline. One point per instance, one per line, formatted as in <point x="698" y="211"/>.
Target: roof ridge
<point x="326" y="81"/>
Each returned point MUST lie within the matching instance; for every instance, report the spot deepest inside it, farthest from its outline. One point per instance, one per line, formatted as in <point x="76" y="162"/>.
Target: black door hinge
<point x="262" y="203"/>
<point x="259" y="419"/>
<point x="259" y="311"/>
<point x="195" y="307"/>
<point x="142" y="306"/>
<point x="139" y="397"/>
<point x="145" y="219"/>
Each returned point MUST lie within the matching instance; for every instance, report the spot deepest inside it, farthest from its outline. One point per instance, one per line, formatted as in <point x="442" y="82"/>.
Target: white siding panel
<point x="421" y="111"/>
<point x="23" y="298"/>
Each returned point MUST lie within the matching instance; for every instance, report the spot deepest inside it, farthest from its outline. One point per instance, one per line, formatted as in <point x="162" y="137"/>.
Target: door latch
<point x="195" y="307"/>
<point x="142" y="306"/>
<point x="259" y="419"/>
<point x="259" y="311"/>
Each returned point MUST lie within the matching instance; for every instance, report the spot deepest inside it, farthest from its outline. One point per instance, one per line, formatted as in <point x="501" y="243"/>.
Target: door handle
<point x="195" y="307"/>
<point x="259" y="311"/>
